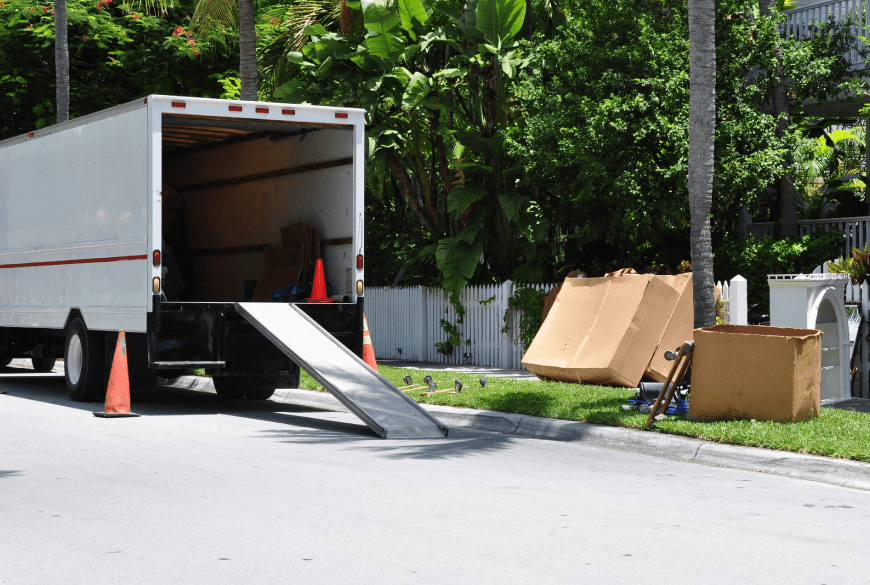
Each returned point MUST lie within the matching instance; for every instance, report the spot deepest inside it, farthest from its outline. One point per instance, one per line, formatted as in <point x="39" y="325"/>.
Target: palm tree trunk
<point x="702" y="128"/>
<point x="344" y="20"/>
<point x="247" y="51"/>
<point x="788" y="197"/>
<point x="61" y="61"/>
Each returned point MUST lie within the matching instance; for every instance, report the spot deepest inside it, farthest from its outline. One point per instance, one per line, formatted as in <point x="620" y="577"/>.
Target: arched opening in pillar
<point x="828" y="322"/>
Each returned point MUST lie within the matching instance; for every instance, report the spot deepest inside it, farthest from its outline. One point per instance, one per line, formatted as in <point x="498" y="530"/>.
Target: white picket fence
<point x="405" y="324"/>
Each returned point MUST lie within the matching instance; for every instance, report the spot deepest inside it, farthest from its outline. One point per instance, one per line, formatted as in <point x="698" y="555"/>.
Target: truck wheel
<point x="84" y="365"/>
<point x="43" y="364"/>
<point x="259" y="393"/>
<point x="236" y="387"/>
<point x="229" y="388"/>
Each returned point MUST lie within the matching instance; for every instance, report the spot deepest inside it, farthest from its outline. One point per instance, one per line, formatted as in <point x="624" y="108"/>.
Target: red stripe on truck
<point x="82" y="261"/>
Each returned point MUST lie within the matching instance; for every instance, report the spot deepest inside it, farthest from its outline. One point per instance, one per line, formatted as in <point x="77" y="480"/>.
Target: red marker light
<point x="235" y="108"/>
<point x="179" y="105"/>
<point x="156" y="257"/>
<point x="289" y="112"/>
<point x="262" y="110"/>
<point x="340" y="115"/>
<point x="359" y="262"/>
<point x="30" y="134"/>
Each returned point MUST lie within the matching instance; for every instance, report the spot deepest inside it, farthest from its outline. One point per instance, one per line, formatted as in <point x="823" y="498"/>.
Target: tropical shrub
<point x="755" y="259"/>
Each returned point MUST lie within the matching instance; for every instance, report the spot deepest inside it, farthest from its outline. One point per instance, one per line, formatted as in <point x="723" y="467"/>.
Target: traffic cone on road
<point x="318" y="291"/>
<point x="118" y="393"/>
<point x="368" y="348"/>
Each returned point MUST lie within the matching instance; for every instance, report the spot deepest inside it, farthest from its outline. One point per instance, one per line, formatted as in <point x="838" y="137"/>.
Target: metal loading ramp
<point x="382" y="406"/>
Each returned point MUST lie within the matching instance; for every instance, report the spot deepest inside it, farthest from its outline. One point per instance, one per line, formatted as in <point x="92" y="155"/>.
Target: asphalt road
<point x="203" y="491"/>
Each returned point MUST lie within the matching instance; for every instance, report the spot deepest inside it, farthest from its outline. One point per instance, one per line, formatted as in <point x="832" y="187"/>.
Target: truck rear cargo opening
<point x="231" y="186"/>
<point x="157" y="216"/>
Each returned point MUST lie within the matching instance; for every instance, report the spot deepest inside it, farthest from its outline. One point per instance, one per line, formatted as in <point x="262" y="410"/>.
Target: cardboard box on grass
<point x="281" y="266"/>
<point x="604" y="330"/>
<point x="756" y="372"/>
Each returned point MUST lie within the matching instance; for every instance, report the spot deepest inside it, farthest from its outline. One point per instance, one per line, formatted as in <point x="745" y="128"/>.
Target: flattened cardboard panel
<point x="295" y="233"/>
<point x="284" y="255"/>
<point x="549" y="301"/>
<point x="599" y="359"/>
<point x="679" y="329"/>
<point x="754" y="372"/>
<point x="646" y="329"/>
<point x="566" y="328"/>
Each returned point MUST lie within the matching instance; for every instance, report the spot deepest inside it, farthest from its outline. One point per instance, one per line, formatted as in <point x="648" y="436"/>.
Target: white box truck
<point x="86" y="231"/>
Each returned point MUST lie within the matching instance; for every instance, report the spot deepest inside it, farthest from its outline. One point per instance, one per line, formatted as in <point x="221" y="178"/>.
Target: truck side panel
<point x="73" y="226"/>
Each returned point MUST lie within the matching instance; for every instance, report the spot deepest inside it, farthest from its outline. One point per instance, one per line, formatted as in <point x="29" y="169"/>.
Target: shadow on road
<point x="304" y="424"/>
<point x="459" y="443"/>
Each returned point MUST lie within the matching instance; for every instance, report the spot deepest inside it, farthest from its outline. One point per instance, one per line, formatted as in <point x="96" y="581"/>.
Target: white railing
<point x="733" y="293"/>
<point x="801" y="23"/>
<point x="856" y="230"/>
<point x="405" y="324"/>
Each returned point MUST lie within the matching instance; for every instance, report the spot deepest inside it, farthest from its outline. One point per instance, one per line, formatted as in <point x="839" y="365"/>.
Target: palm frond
<point x="211" y="14"/>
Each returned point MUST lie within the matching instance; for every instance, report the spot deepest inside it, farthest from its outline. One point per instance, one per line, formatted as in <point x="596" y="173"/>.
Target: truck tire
<point x="84" y="365"/>
<point x="43" y="364"/>
<point x="237" y="387"/>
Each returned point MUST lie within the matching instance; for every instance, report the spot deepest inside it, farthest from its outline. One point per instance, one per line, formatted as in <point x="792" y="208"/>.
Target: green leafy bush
<point x="755" y="259"/>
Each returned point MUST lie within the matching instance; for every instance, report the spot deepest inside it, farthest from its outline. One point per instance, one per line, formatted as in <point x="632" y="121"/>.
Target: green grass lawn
<point x="836" y="433"/>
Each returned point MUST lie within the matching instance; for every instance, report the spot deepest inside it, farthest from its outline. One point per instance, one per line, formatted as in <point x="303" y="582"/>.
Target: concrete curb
<point x="843" y="472"/>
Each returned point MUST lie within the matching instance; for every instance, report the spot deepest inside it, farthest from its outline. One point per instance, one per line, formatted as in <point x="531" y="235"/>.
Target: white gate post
<point x="737" y="306"/>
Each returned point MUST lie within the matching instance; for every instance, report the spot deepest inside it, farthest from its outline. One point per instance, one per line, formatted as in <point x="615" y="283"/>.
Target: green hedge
<point x="755" y="259"/>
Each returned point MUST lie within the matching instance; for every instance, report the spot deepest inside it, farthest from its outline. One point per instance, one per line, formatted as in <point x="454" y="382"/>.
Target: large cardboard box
<point x="604" y="330"/>
<point x="755" y="372"/>
<point x="679" y="329"/>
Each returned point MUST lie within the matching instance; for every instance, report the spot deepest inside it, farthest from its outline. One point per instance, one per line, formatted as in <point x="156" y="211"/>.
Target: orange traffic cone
<point x="368" y="348"/>
<point x="318" y="292"/>
<point x="118" y="393"/>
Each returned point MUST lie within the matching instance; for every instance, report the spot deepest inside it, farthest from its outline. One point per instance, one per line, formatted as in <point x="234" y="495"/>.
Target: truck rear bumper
<point x="184" y="335"/>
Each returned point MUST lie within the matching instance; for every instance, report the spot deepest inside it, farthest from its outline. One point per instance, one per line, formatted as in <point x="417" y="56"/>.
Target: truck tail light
<point x="156" y="258"/>
<point x="179" y="105"/>
<point x="262" y="110"/>
<point x="359" y="261"/>
<point x="359" y="287"/>
<point x="288" y="112"/>
<point x="155" y="285"/>
<point x="235" y="108"/>
<point x="341" y="115"/>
